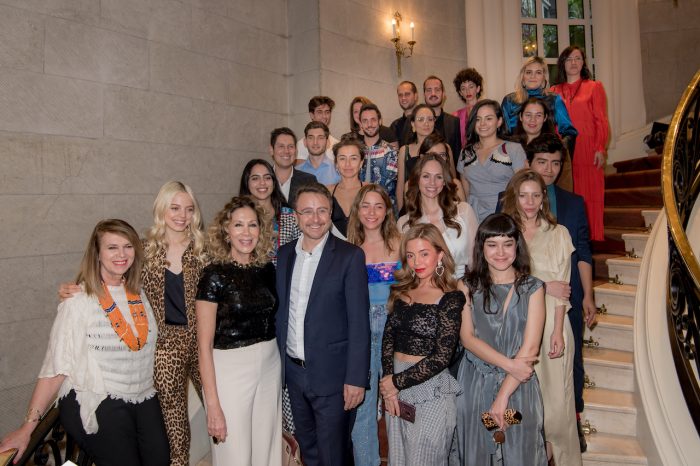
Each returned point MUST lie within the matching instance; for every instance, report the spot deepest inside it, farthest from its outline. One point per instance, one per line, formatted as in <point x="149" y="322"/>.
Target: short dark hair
<point x="316" y="124"/>
<point x="432" y="76"/>
<point x="468" y="74"/>
<point x="561" y="63"/>
<point x="319" y="100"/>
<point x="314" y="188"/>
<point x="545" y="143"/>
<point x="410" y="83"/>
<point x="368" y="107"/>
<point x="277" y="132"/>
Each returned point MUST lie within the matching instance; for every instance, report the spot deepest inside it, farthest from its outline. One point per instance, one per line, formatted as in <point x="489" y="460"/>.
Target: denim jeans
<point x="365" y="437"/>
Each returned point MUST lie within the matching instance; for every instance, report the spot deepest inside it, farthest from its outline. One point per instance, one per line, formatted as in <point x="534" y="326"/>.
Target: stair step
<point x="623" y="216"/>
<point x="644" y="196"/>
<point x="635" y="242"/>
<point x="610" y="449"/>
<point x="631" y="179"/>
<point x="610" y="411"/>
<point x="600" y="266"/>
<point x="609" y="368"/>
<point x="649" y="162"/>
<point x="618" y="299"/>
<point x="626" y="269"/>
<point x="612" y="332"/>
<point x="650" y="216"/>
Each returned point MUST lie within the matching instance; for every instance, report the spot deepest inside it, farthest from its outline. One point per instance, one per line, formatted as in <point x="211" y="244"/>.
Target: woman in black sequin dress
<point x="238" y="356"/>
<point x="420" y="337"/>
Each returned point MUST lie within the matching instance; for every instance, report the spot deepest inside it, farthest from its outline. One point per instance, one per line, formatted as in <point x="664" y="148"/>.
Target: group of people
<point x="432" y="270"/>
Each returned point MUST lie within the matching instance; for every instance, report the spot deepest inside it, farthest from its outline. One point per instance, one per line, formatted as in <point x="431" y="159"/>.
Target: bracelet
<point x="28" y="417"/>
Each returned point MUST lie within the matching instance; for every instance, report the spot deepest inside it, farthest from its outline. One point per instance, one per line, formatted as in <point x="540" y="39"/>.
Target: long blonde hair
<point x="356" y="232"/>
<point x="89" y="275"/>
<point x="406" y="279"/>
<point x="220" y="249"/>
<point x="155" y="235"/>
<point x="521" y="94"/>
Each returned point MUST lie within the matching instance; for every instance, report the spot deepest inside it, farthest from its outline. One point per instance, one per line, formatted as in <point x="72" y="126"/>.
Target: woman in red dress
<point x="585" y="101"/>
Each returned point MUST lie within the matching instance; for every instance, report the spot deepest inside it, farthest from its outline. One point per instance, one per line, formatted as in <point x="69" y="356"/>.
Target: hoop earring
<point x="440" y="269"/>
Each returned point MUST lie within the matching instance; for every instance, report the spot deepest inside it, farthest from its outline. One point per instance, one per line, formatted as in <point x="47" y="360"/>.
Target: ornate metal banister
<point x="680" y="185"/>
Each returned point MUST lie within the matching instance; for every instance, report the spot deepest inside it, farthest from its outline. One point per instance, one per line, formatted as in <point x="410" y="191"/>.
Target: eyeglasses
<point x="574" y="59"/>
<point x="424" y="119"/>
<point x="321" y="212"/>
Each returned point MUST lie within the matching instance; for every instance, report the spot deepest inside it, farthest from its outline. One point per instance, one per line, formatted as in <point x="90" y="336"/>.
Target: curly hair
<point x="510" y="198"/>
<point x="220" y="249"/>
<point x="356" y="232"/>
<point x="447" y="199"/>
<point x="468" y="74"/>
<point x="406" y="278"/>
<point x="479" y="277"/>
<point x="155" y="242"/>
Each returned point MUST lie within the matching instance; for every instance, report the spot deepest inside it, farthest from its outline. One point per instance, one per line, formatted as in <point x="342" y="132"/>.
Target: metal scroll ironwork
<point x="680" y="184"/>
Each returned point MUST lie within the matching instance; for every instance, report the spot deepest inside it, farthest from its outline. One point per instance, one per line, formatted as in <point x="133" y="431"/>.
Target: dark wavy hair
<point x="561" y="62"/>
<point x="447" y="199"/>
<point x="433" y="140"/>
<point x="277" y="198"/>
<point x="468" y="74"/>
<point x="547" y="126"/>
<point x="472" y="137"/>
<point x="479" y="277"/>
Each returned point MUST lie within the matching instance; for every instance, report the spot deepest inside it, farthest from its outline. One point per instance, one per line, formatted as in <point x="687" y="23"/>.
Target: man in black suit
<point x="322" y="331"/>
<point x="283" y="149"/>
<point x="407" y="93"/>
<point x="446" y="124"/>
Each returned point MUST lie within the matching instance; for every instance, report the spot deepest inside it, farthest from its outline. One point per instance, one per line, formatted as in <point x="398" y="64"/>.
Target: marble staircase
<point x="610" y="414"/>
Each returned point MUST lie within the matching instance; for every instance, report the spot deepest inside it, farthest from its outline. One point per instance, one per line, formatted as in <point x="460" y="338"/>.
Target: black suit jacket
<point x="299" y="179"/>
<point x="336" y="326"/>
<point x="448" y="126"/>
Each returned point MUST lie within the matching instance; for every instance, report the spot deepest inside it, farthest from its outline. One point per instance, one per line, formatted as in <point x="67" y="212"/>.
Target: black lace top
<point x="430" y="330"/>
<point x="246" y="303"/>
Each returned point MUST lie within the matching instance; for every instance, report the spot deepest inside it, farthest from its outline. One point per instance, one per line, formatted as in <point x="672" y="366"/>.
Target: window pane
<point x="553" y="70"/>
<point x="549" y="8"/>
<point x="577" y="36"/>
<point x="551" y="41"/>
<point x="590" y="9"/>
<point x="529" y="40"/>
<point x="575" y="9"/>
<point x="527" y="8"/>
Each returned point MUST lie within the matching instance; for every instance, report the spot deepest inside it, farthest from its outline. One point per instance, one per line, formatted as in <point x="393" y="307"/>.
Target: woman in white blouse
<point x="99" y="360"/>
<point x="432" y="198"/>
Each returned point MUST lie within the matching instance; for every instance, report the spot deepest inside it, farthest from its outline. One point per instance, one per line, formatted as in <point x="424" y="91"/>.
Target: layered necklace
<point x="120" y="325"/>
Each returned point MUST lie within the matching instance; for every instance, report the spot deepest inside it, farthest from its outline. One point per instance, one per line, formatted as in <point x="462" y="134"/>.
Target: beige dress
<point x="550" y="253"/>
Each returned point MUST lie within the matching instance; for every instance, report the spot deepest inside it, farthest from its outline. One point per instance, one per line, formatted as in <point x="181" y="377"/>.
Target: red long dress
<point x="585" y="102"/>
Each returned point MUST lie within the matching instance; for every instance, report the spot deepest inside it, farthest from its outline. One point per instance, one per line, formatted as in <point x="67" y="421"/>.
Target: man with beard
<point x="318" y="164"/>
<point x="408" y="98"/>
<point x="446" y="124"/>
<point x="320" y="110"/>
<point x="381" y="160"/>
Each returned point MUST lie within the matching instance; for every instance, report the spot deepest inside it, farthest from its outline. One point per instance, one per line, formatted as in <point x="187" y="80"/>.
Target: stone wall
<point x="342" y="48"/>
<point x="670" y="35"/>
<point x="102" y="101"/>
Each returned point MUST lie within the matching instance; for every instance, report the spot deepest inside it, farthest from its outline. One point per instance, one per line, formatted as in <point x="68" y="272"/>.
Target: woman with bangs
<point x="238" y="355"/>
<point x="550" y="249"/>
<point x="420" y="338"/>
<point x="432" y="198"/>
<point x="501" y="331"/>
<point x="372" y="226"/>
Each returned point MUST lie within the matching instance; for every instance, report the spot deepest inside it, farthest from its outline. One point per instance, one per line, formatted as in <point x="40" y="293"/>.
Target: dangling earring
<point x="440" y="269"/>
<point x="227" y="239"/>
<point x="413" y="273"/>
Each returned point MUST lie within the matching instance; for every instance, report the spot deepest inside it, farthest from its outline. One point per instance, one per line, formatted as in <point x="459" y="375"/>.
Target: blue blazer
<point x="336" y="326"/>
<point x="572" y="214"/>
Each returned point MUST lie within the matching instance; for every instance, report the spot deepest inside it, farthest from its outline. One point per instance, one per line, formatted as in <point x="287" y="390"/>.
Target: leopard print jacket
<point x="153" y="277"/>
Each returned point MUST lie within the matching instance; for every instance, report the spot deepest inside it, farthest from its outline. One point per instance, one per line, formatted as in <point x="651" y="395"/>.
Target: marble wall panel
<point x="21" y="39"/>
<point x="14" y="406"/>
<point x="22" y="345"/>
<point x="84" y="11"/>
<point x="21" y="163"/>
<point x="22" y="289"/>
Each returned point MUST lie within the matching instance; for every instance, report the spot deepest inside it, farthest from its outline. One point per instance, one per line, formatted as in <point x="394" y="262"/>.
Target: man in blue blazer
<point x="322" y="330"/>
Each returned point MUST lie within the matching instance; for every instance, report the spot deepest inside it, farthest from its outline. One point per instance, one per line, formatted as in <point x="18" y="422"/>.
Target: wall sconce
<point x="401" y="50"/>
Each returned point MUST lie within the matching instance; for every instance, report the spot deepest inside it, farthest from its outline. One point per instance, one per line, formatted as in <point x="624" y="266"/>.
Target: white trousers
<point x="248" y="381"/>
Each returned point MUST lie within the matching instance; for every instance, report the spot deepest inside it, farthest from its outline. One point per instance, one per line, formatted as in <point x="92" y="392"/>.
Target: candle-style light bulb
<point x="393" y="28"/>
<point x="413" y="31"/>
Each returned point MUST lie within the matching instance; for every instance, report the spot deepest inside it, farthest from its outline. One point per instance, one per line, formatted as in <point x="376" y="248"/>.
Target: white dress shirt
<point x="303" y="275"/>
<point x="286" y="186"/>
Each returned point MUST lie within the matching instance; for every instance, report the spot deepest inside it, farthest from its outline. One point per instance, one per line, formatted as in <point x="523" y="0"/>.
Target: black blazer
<point x="336" y="326"/>
<point x="299" y="179"/>
<point x="448" y="126"/>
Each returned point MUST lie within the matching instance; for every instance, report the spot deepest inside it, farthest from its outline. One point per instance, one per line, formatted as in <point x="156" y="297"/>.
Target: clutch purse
<point x="407" y="411"/>
<point x="291" y="454"/>
<point x="511" y="416"/>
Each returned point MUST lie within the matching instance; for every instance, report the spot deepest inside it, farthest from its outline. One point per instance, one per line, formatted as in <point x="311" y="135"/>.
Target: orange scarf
<point x="120" y="326"/>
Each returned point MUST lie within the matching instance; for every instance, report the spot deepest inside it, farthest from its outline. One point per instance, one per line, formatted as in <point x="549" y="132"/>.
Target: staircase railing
<point x="681" y="185"/>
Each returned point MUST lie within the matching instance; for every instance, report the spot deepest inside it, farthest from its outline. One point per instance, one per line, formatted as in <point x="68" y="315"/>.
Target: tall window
<point x="549" y="26"/>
